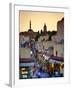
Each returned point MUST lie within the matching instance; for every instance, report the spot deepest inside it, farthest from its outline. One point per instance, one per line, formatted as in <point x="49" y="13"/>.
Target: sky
<point x="38" y="19"/>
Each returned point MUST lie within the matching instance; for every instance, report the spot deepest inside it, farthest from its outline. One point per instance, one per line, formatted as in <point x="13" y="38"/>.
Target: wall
<point x="25" y="53"/>
<point x="59" y="48"/>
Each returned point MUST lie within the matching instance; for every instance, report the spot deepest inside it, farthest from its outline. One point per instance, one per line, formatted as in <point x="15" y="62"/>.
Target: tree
<point x="51" y="33"/>
<point x="37" y="36"/>
<point x="41" y="32"/>
<point x="54" y="33"/>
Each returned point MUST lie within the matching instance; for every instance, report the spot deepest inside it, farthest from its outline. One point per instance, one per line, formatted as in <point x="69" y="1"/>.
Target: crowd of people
<point x="46" y="70"/>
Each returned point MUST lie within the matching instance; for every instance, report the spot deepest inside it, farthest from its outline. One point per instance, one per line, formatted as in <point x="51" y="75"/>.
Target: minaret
<point x="30" y="24"/>
<point x="30" y="30"/>
<point x="45" y="29"/>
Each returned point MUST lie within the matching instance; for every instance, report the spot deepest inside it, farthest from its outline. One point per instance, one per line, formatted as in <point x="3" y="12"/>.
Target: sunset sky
<point x="38" y="19"/>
